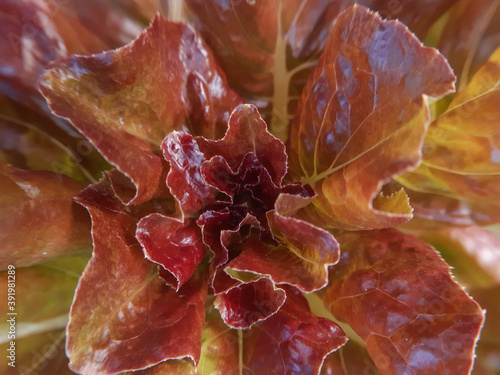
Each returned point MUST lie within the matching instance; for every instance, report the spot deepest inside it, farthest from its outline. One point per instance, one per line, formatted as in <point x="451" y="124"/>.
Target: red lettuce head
<point x="231" y="201"/>
<point x="232" y="237"/>
<point x="224" y="233"/>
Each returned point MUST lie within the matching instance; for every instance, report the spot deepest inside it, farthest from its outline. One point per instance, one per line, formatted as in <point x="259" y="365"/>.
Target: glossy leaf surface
<point x="246" y="304"/>
<point x="137" y="321"/>
<point x="303" y="257"/>
<point x="267" y="48"/>
<point x="397" y="293"/>
<point x="126" y="101"/>
<point x="243" y="172"/>
<point x="362" y="117"/>
<point x="184" y="177"/>
<point x="247" y="132"/>
<point x="292" y="341"/>
<point x="461" y="150"/>
<point x="174" y="245"/>
<point x="38" y="219"/>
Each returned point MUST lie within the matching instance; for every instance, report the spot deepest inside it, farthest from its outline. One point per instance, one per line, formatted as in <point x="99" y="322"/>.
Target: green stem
<point x="281" y="85"/>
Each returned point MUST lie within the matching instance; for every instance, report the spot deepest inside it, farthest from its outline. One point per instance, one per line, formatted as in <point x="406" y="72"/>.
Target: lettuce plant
<point x="245" y="170"/>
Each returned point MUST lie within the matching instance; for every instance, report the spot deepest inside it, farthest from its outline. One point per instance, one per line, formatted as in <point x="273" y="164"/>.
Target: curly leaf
<point x="397" y="293"/>
<point x="362" y="117"/>
<point x="461" y="152"/>
<point x="246" y="304"/>
<point x="174" y="245"/>
<point x="292" y="341"/>
<point x="137" y="320"/>
<point x="268" y="47"/>
<point x="247" y="132"/>
<point x="184" y="178"/>
<point x="303" y="258"/>
<point x="125" y="101"/>
<point x="38" y="219"/>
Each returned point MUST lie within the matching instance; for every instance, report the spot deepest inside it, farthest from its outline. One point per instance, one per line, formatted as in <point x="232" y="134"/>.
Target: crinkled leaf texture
<point x="148" y="314"/>
<point x="292" y="341"/>
<point x="124" y="317"/>
<point x="125" y="101"/>
<point x="244" y="217"/>
<point x="362" y="118"/>
<point x="38" y="219"/>
<point x="268" y="47"/>
<point x="249" y="303"/>
<point x="459" y="179"/>
<point x="174" y="245"/>
<point x="397" y="293"/>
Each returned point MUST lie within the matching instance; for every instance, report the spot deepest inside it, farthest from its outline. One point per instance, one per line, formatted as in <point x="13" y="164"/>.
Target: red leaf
<point x="184" y="178"/>
<point x="214" y="225"/>
<point x="244" y="305"/>
<point x="268" y="47"/>
<point x="292" y="341"/>
<point x="247" y="132"/>
<point x="137" y="320"/>
<point x="120" y="19"/>
<point x="174" y="245"/>
<point x="460" y="155"/>
<point x="303" y="258"/>
<point x="125" y="101"/>
<point x="398" y="295"/>
<point x="362" y="117"/>
<point x="38" y="217"/>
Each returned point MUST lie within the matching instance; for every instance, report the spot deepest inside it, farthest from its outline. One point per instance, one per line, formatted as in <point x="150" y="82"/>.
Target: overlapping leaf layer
<point x="204" y="242"/>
